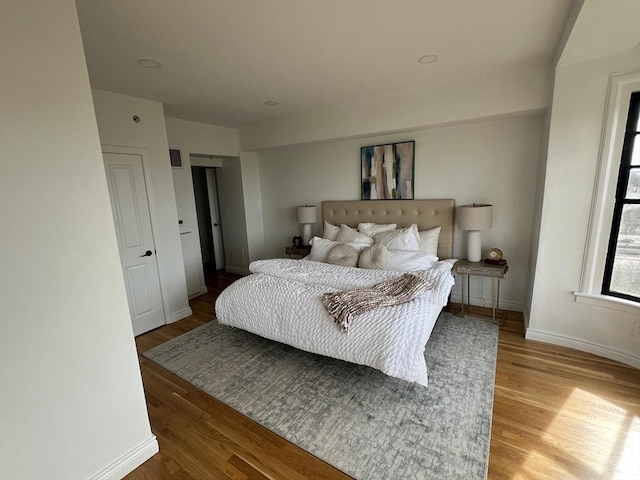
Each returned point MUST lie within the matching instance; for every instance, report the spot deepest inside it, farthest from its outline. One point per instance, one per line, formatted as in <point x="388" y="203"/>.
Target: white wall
<point x="195" y="138"/>
<point x="537" y="215"/>
<point x="513" y="89"/>
<point x="252" y="195"/>
<point x="189" y="230"/>
<point x="489" y="161"/>
<point x="114" y="115"/>
<point x="71" y="402"/>
<point x="574" y="146"/>
<point x="202" y="138"/>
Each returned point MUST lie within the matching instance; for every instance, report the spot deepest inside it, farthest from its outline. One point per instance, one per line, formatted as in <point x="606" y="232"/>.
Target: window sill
<point x="606" y="301"/>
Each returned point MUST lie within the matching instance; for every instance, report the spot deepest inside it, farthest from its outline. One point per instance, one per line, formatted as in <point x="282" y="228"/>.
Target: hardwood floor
<point x="558" y="414"/>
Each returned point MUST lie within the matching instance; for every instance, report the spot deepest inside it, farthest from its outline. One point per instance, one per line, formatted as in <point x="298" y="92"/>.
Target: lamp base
<point x="306" y="233"/>
<point x="474" y="248"/>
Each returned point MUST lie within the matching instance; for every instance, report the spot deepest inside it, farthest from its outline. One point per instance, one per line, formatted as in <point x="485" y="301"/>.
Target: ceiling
<point x="591" y="34"/>
<point x="222" y="59"/>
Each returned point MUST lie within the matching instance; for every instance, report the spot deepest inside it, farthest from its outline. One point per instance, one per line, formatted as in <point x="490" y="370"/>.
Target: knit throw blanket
<point x="345" y="305"/>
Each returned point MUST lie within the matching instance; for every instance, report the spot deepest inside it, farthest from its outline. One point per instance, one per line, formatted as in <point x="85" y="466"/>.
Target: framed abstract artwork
<point x="387" y="171"/>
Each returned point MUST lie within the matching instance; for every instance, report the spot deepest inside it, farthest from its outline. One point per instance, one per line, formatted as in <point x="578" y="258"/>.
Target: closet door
<point x="130" y="206"/>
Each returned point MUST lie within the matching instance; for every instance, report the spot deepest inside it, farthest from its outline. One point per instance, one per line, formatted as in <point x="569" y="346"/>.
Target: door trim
<point x="184" y="313"/>
<point x="144" y="155"/>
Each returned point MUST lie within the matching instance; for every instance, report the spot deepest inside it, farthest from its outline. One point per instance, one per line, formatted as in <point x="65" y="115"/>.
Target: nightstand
<point x="481" y="269"/>
<point x="301" y="251"/>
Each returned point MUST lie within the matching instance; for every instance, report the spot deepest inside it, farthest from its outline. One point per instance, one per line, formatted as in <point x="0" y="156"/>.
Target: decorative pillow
<point x="330" y="231"/>
<point x="429" y="240"/>
<point x="375" y="257"/>
<point x="400" y="239"/>
<point x="348" y="234"/>
<point x="320" y="248"/>
<point x="405" y="261"/>
<point x="373" y="228"/>
<point x="343" y="254"/>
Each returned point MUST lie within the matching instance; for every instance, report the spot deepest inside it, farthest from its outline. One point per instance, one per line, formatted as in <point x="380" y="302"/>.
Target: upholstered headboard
<point x="425" y="213"/>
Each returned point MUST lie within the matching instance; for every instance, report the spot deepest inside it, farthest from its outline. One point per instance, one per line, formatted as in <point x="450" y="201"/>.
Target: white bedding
<point x="282" y="301"/>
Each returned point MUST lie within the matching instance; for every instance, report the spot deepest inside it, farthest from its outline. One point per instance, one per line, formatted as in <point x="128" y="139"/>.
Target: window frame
<point x="616" y="111"/>
<point x="624" y="171"/>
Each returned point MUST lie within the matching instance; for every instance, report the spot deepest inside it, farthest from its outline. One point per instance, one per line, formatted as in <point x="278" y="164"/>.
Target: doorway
<point x="205" y="189"/>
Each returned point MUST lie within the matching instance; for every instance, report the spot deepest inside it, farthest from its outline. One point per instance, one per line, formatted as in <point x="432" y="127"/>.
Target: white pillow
<point x="320" y="248"/>
<point x="400" y="239"/>
<point x="429" y="240"/>
<point x="348" y="234"/>
<point x="373" y="228"/>
<point x="375" y="257"/>
<point x="330" y="231"/>
<point x="405" y="261"/>
<point x="343" y="254"/>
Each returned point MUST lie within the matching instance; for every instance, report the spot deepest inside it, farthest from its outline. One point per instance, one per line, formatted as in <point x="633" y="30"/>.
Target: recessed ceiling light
<point x="427" y="59"/>
<point x="148" y="63"/>
<point x="271" y="103"/>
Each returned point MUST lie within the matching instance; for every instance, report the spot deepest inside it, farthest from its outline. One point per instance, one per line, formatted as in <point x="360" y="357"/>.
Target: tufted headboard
<point x="425" y="213"/>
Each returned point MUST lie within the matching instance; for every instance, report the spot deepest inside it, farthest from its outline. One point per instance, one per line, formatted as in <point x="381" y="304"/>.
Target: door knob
<point x="148" y="253"/>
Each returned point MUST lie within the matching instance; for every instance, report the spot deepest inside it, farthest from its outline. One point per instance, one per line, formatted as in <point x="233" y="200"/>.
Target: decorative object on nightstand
<point x="299" y="251"/>
<point x="494" y="257"/>
<point x="482" y="269"/>
<point x="306" y="215"/>
<point x="474" y="218"/>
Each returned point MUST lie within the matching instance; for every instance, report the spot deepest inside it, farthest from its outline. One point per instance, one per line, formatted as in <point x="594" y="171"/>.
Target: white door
<point x="130" y="206"/>
<point x="214" y="211"/>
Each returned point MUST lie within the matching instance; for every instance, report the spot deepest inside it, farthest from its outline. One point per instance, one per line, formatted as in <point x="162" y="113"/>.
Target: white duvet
<point x="282" y="301"/>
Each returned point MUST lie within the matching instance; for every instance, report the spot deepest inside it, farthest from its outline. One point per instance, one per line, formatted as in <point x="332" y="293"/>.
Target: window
<point x="622" y="267"/>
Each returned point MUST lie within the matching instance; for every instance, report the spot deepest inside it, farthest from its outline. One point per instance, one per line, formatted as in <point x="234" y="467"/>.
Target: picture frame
<point x="388" y="171"/>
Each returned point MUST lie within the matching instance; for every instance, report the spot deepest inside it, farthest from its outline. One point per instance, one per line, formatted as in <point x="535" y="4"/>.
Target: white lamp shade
<point x="474" y="217"/>
<point x="306" y="214"/>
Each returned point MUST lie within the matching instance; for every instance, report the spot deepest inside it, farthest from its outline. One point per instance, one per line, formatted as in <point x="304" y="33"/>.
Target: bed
<point x="284" y="299"/>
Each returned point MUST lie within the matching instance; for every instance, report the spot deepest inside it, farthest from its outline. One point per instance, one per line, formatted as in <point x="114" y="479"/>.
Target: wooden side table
<point x="301" y="251"/>
<point x="481" y="269"/>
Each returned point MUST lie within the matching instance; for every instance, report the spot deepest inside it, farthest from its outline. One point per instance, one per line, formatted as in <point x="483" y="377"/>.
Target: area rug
<point x="359" y="420"/>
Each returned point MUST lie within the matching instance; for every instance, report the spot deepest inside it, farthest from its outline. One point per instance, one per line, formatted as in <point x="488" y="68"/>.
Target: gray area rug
<point x="363" y="422"/>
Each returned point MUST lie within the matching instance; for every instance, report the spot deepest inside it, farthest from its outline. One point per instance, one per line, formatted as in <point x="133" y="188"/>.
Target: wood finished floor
<point x="558" y="414"/>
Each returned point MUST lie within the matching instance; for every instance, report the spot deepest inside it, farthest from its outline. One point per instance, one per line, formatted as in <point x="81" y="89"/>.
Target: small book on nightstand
<point x="500" y="261"/>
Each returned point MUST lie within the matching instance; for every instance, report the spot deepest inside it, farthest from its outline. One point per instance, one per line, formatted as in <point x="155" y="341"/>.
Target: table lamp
<point x="306" y="215"/>
<point x="474" y="218"/>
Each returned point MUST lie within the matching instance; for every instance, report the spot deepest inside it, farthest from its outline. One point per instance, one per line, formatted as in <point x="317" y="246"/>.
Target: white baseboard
<point x="237" y="270"/>
<point x="202" y="291"/>
<point x="589" y="347"/>
<point x="128" y="462"/>
<point x="187" y="312"/>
